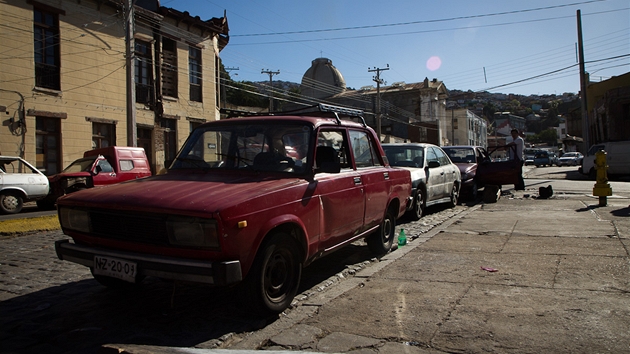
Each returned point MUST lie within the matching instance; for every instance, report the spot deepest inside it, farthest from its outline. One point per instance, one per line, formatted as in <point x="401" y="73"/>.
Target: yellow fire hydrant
<point x="602" y="188"/>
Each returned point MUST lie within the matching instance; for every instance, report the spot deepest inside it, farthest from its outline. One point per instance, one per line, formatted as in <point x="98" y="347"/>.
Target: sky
<point x="500" y="46"/>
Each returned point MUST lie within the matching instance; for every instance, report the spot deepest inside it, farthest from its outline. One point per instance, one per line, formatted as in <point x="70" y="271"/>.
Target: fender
<point x="289" y="220"/>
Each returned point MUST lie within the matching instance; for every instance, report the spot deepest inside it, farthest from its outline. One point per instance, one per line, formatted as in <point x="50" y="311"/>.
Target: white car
<point x="434" y="177"/>
<point x="19" y="182"/>
<point x="570" y="159"/>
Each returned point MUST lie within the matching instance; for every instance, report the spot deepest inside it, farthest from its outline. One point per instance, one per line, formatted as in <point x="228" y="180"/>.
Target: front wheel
<point x="10" y="203"/>
<point x="274" y="277"/>
<point x="380" y="242"/>
<point x="474" y="191"/>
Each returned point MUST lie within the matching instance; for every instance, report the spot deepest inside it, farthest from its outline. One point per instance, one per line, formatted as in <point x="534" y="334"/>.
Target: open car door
<point x="500" y="172"/>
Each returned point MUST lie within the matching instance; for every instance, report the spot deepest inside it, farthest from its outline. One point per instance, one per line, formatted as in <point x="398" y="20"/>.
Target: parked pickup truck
<point x="98" y="167"/>
<point x="247" y="202"/>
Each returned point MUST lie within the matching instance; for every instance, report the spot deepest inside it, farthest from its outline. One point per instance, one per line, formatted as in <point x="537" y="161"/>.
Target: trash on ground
<point x="488" y="269"/>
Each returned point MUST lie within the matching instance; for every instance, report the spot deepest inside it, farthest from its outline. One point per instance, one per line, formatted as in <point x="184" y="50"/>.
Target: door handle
<point x="357" y="181"/>
<point x="386" y="175"/>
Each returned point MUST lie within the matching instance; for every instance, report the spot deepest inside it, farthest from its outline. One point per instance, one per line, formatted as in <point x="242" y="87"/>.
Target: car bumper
<point x="215" y="273"/>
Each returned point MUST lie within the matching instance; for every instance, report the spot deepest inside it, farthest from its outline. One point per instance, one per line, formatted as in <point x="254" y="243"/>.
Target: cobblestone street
<point x="53" y="306"/>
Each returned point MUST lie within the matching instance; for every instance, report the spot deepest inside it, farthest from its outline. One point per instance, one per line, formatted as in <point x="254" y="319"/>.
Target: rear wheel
<point x="380" y="242"/>
<point x="418" y="206"/>
<point x="454" y="195"/>
<point x="274" y="277"/>
<point x="10" y="203"/>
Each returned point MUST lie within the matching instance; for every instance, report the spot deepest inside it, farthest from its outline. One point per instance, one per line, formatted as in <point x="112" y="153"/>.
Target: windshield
<point x="461" y="155"/>
<point x="404" y="156"/>
<point x="81" y="165"/>
<point x="257" y="147"/>
<point x="569" y="154"/>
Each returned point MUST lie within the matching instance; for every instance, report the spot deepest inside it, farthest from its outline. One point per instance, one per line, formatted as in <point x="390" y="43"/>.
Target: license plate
<point x="115" y="268"/>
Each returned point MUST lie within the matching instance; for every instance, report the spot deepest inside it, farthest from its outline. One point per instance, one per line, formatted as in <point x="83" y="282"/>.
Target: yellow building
<point x="63" y="71"/>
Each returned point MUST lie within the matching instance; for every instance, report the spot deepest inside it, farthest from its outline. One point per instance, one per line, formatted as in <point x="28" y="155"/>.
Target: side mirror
<point x="434" y="164"/>
<point x="98" y="169"/>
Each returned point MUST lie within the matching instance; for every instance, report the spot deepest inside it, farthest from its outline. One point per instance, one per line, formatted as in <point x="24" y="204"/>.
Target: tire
<point x="418" y="206"/>
<point x="454" y="196"/>
<point x="11" y="203"/>
<point x="474" y="191"/>
<point x="274" y="277"/>
<point x="381" y="241"/>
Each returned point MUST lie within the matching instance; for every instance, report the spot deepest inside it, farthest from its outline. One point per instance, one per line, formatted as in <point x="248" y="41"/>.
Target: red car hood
<point x="192" y="194"/>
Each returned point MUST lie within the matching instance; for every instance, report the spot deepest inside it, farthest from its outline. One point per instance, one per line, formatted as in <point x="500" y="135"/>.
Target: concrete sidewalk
<point x="562" y="284"/>
<point x="519" y="276"/>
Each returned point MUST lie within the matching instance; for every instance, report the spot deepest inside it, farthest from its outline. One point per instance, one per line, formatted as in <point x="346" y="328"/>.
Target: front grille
<point x="146" y="228"/>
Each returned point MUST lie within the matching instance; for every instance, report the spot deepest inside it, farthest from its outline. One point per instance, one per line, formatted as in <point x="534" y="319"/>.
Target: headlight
<point x="195" y="232"/>
<point x="75" y="219"/>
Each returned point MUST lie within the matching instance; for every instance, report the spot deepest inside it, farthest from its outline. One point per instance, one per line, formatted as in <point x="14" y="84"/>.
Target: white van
<point x="617" y="158"/>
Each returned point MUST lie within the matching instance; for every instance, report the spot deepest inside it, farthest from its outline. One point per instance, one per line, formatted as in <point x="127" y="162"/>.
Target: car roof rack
<point x="324" y="110"/>
<point x="318" y="110"/>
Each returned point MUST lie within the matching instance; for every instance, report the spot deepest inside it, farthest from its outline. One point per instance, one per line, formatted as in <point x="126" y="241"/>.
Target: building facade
<point x="609" y="109"/>
<point x="63" y="78"/>
<point x="466" y="128"/>
<point x="414" y="112"/>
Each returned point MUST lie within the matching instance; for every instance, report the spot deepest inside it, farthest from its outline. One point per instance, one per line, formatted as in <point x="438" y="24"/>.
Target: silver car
<point x="19" y="182"/>
<point x="570" y="159"/>
<point x="434" y="177"/>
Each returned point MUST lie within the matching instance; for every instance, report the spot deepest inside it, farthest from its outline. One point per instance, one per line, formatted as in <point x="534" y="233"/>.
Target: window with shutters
<point x="47" y="60"/>
<point x="169" y="67"/>
<point x="194" y="72"/>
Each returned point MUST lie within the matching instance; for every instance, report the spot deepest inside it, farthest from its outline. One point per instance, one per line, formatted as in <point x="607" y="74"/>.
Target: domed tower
<point x="322" y="79"/>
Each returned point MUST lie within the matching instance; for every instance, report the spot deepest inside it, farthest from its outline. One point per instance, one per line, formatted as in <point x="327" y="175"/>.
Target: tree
<point x="549" y="136"/>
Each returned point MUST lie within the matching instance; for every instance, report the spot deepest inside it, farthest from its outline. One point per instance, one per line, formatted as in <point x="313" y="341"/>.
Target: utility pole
<point x="378" y="81"/>
<point x="583" y="84"/>
<point x="132" y="136"/>
<point x="271" y="74"/>
<point x="221" y="81"/>
<point x="453" y="125"/>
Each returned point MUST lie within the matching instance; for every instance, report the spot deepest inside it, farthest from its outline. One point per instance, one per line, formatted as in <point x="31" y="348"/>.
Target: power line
<point x="415" y="22"/>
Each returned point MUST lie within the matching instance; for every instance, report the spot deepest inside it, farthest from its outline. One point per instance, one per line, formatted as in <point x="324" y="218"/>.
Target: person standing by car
<point x="517" y="154"/>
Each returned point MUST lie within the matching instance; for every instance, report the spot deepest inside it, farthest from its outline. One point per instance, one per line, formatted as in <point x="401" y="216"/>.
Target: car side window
<point x="441" y="156"/>
<point x="337" y="140"/>
<point x="105" y="166"/>
<point x="363" y="148"/>
<point x="431" y="156"/>
<point x="126" y="165"/>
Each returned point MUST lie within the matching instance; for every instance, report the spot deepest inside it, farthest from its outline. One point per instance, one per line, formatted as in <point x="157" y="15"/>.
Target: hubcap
<point x="387" y="229"/>
<point x="277" y="276"/>
<point x="9" y="202"/>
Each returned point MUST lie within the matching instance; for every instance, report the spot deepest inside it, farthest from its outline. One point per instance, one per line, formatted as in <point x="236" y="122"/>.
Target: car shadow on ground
<point x="81" y="316"/>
